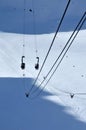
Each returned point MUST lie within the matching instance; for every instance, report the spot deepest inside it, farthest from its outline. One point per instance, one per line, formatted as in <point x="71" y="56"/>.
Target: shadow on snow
<point x="20" y="113"/>
<point x="47" y="15"/>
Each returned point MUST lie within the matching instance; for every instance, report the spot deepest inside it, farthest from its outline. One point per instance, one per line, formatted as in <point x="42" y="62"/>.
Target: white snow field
<point x="70" y="76"/>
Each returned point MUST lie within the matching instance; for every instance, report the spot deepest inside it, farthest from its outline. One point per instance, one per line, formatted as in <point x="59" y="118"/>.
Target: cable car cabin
<point x="37" y="64"/>
<point x="22" y="63"/>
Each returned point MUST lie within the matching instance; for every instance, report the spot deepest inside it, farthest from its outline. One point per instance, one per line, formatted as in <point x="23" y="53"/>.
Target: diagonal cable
<point x="64" y="13"/>
<point x="80" y="24"/>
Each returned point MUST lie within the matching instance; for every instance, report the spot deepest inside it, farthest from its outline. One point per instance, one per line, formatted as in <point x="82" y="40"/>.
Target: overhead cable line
<point x="76" y="31"/>
<point x="57" y="30"/>
<point x="24" y="20"/>
<point x="82" y="22"/>
<point x="23" y="44"/>
<point x="34" y="33"/>
<point x="34" y="28"/>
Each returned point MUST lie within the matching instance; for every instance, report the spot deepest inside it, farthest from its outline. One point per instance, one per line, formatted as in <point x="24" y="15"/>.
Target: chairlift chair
<point x="37" y="64"/>
<point x="22" y="63"/>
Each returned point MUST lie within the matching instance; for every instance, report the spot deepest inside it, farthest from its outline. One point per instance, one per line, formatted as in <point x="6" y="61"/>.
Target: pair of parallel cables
<point x="24" y="42"/>
<point x="57" y="30"/>
<point x="63" y="53"/>
<point x="24" y="32"/>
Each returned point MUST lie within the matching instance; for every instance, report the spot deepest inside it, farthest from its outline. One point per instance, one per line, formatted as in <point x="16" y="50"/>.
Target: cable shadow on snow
<point x="20" y="113"/>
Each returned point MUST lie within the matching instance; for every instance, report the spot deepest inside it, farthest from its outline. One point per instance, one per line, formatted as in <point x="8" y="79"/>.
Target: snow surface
<point x="53" y="108"/>
<point x="47" y="15"/>
<point x="20" y="113"/>
<point x="70" y="77"/>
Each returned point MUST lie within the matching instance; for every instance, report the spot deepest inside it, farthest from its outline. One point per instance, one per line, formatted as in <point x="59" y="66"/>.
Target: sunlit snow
<point x="69" y="78"/>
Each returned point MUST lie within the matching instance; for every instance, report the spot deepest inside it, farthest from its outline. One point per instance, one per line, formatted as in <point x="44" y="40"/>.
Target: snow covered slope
<point x="66" y="89"/>
<point x="69" y="78"/>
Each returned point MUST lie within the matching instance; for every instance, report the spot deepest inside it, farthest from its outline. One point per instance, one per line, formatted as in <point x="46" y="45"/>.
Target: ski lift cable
<point x="57" y="30"/>
<point x="24" y="19"/>
<point x="35" y="36"/>
<point x="23" y="44"/>
<point x="64" y="48"/>
<point x="34" y="29"/>
<point x="58" y="63"/>
<point x="61" y="58"/>
<point x="51" y="43"/>
<point x="23" y="40"/>
<point x="65" y="53"/>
